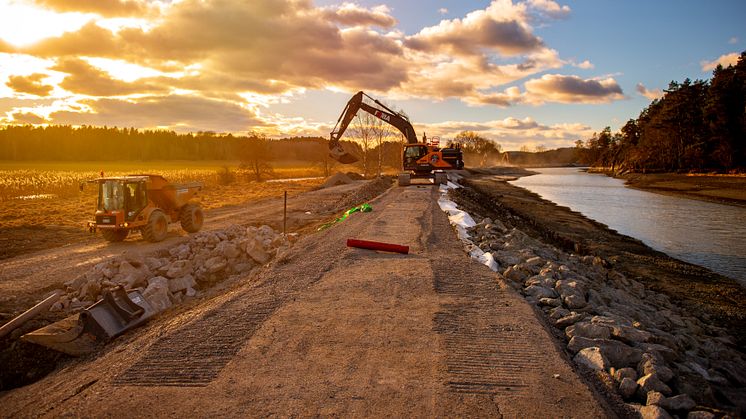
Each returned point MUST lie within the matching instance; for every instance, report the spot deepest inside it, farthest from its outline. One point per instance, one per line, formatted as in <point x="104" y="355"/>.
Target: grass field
<point x="48" y="194"/>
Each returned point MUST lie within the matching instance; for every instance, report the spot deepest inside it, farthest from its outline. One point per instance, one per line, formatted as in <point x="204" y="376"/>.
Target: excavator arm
<point x="385" y="114"/>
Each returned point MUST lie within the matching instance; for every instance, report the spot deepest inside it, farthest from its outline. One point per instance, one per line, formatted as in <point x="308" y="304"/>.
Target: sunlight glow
<point x="22" y="24"/>
<point x="124" y="70"/>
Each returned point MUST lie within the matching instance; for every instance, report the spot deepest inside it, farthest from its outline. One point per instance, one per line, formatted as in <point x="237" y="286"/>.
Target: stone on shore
<point x="592" y="358"/>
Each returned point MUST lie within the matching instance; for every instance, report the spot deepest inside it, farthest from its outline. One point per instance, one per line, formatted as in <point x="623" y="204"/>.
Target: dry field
<point x="41" y="205"/>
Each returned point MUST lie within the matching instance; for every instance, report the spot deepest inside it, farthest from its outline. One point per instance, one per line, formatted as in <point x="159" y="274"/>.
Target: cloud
<point x="572" y="89"/>
<point x="513" y="133"/>
<point x="180" y="113"/>
<point x="585" y="65"/>
<point x="724" y="60"/>
<point x="350" y="14"/>
<point x="86" y="79"/>
<point x="101" y="7"/>
<point x="90" y="40"/>
<point x="27" y="118"/>
<point x="549" y="9"/>
<point x="31" y="84"/>
<point x="650" y="94"/>
<point x="443" y="11"/>
<point x="733" y="40"/>
<point x="501" y="27"/>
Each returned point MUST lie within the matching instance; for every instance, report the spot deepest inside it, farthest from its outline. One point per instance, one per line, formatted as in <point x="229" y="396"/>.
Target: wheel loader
<point x="147" y="203"/>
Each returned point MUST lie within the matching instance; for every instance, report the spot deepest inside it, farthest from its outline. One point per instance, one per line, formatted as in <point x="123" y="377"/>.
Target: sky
<point x="522" y="73"/>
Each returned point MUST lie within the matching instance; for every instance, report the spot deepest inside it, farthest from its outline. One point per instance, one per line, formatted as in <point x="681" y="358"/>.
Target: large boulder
<point x="650" y="383"/>
<point x="587" y="329"/>
<point x="618" y="354"/>
<point x="179" y="268"/>
<point x="592" y="358"/>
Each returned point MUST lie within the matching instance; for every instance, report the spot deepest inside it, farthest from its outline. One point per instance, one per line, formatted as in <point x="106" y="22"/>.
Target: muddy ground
<point x="723" y="189"/>
<point x="718" y="299"/>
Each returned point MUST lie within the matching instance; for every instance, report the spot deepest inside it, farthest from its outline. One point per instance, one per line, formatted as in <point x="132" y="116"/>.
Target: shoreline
<point x="719" y="189"/>
<point x="691" y="318"/>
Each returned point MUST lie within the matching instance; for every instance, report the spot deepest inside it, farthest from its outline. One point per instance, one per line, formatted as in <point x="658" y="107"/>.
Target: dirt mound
<point x="355" y="176"/>
<point x="337" y="179"/>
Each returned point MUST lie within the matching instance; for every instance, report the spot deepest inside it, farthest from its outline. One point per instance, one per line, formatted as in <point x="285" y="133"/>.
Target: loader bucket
<point x="339" y="154"/>
<point x="85" y="332"/>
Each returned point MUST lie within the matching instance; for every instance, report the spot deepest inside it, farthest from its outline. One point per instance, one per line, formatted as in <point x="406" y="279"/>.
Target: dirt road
<point x="24" y="279"/>
<point x="331" y="330"/>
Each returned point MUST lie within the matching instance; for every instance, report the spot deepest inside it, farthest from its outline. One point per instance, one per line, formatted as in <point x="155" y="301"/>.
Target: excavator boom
<point x="385" y="114"/>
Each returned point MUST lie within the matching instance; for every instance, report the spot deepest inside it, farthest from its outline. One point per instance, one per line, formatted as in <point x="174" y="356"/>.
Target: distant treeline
<point x="696" y="126"/>
<point x="66" y="143"/>
<point x="566" y="156"/>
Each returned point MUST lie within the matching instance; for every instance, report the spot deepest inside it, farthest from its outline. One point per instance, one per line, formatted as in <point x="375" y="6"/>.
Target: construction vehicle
<point x="419" y="159"/>
<point x="144" y="202"/>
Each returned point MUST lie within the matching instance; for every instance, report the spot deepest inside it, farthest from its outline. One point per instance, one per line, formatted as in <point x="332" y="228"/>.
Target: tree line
<point x="376" y="145"/>
<point x="696" y="126"/>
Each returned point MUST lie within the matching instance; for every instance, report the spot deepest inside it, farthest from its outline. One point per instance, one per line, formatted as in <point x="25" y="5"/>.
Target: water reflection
<point x="703" y="233"/>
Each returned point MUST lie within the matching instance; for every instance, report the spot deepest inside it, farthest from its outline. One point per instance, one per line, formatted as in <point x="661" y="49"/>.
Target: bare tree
<point x="362" y="129"/>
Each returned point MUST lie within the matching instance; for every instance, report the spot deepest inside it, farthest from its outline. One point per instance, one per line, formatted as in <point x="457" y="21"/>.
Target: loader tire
<point x="192" y="218"/>
<point x="441" y="178"/>
<point x="404" y="179"/>
<point x="157" y="227"/>
<point x="115" y="235"/>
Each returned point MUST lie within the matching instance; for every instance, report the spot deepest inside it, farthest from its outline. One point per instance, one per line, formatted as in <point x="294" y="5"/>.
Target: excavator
<point x="420" y="160"/>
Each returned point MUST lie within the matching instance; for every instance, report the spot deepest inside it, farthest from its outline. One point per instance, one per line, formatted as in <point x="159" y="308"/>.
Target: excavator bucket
<point x="339" y="154"/>
<point x="87" y="331"/>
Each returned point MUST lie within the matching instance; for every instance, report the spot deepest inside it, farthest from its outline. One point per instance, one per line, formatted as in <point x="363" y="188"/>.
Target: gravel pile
<point x="659" y="359"/>
<point x="173" y="275"/>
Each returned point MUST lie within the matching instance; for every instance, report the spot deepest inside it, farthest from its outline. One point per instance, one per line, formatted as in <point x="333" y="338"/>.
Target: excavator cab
<point x="412" y="153"/>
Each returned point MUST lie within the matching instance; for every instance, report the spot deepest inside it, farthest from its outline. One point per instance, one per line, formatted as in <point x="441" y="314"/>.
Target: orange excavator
<point x="421" y="160"/>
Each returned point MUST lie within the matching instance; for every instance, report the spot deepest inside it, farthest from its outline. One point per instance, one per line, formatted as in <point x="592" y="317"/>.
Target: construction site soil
<point x="335" y="331"/>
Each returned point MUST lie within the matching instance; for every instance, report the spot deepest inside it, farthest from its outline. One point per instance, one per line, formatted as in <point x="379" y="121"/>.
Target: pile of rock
<point x="659" y="359"/>
<point x="172" y="275"/>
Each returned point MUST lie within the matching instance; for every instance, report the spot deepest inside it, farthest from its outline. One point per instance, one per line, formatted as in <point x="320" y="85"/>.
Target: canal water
<point x="703" y="233"/>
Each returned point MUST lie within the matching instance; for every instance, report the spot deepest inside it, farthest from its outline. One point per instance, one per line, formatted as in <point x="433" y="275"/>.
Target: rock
<point x="700" y="414"/>
<point x="667" y="353"/>
<point x="623" y="373"/>
<point x="256" y="251"/>
<point x="180" y="252"/>
<point x="181" y="283"/>
<point x="654" y="412"/>
<point x="133" y="280"/>
<point x="215" y="264"/>
<point x="505" y="257"/>
<point x="629" y="334"/>
<point x="190" y="292"/>
<point x="618" y="354"/>
<point x="157" y="293"/>
<point x="627" y="388"/>
<point x="654" y="398"/>
<point x="514" y="274"/>
<point x="574" y="301"/>
<point x="552" y="302"/>
<point x="558" y="313"/>
<point x="126" y="268"/>
<point x="154" y="263"/>
<point x="587" y="329"/>
<point x="682" y="402"/>
<point x="244" y="267"/>
<point x="539" y="292"/>
<point x="649" y="364"/>
<point x="534" y="261"/>
<point x="650" y="382"/>
<point x="179" y="268"/>
<point x="568" y="320"/>
<point x="592" y="358"/>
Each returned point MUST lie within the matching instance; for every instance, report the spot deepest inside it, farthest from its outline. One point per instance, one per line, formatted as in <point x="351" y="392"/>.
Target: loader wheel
<point x="115" y="235"/>
<point x="157" y="227"/>
<point x="404" y="179"/>
<point x="192" y="218"/>
<point x="441" y="178"/>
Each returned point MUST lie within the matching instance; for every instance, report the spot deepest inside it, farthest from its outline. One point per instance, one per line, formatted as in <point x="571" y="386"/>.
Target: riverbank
<point x="600" y="289"/>
<point x="722" y="189"/>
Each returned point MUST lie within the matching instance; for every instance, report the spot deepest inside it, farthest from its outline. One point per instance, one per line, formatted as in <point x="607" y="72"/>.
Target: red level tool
<point x="386" y="247"/>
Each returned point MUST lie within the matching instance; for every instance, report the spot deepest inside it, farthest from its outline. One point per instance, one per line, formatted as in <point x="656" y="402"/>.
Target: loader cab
<point x="126" y="195"/>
